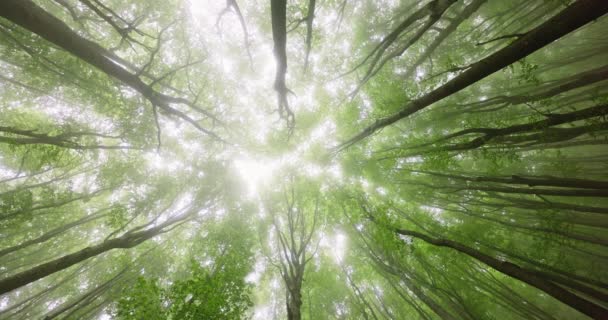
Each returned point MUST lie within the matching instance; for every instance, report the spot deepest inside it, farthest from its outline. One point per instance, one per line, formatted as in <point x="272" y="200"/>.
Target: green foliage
<point x="214" y="286"/>
<point x="221" y="294"/>
<point x="527" y="73"/>
<point x="158" y="166"/>
<point x="117" y="217"/>
<point x="387" y="92"/>
<point x="18" y="201"/>
<point x="205" y="294"/>
<point x="144" y="300"/>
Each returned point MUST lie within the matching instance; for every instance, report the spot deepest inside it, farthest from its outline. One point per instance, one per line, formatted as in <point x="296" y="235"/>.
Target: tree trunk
<point x="93" y="293"/>
<point x="32" y="299"/>
<point x="32" y="17"/>
<point x="128" y="240"/>
<point x="309" y="19"/>
<point x="570" y="19"/>
<point x="431" y="303"/>
<point x="531" y="181"/>
<point x="582" y="305"/>
<point x="294" y="300"/>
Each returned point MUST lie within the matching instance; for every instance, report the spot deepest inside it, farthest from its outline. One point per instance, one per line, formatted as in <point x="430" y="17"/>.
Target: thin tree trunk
<point x="278" y="9"/>
<point x="432" y="304"/>
<point x="93" y="293"/>
<point x="54" y="232"/>
<point x="428" y="51"/>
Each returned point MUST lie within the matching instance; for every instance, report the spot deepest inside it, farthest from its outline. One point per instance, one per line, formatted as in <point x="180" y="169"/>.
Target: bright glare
<point x="262" y="312"/>
<point x="255" y="173"/>
<point x="339" y="247"/>
<point x="335" y="244"/>
<point x="104" y="316"/>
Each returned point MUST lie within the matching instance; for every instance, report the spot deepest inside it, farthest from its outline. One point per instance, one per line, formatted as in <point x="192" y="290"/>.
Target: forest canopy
<point x="313" y="159"/>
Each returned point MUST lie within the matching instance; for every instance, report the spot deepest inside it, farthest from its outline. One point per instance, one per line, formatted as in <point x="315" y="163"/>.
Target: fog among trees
<point x="314" y="159"/>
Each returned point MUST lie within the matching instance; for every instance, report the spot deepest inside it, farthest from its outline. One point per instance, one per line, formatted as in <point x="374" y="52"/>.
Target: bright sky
<point x="258" y="169"/>
<point x="255" y="102"/>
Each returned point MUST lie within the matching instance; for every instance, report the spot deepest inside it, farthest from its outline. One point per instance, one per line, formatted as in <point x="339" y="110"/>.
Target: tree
<point x="217" y="291"/>
<point x="294" y="223"/>
<point x="375" y="159"/>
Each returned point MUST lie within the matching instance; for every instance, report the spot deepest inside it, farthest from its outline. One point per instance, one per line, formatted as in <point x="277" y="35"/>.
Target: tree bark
<point x="128" y="240"/>
<point x="309" y="20"/>
<point x="32" y="17"/>
<point x="570" y="19"/>
<point x="278" y="9"/>
<point x="582" y="305"/>
<point x="531" y="181"/>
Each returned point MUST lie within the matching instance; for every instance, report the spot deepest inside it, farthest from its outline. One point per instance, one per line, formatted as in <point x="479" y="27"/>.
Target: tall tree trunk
<point x="128" y="240"/>
<point x="32" y="17"/>
<point x="93" y="293"/>
<point x="582" y="305"/>
<point x="309" y="20"/>
<point x="295" y="304"/>
<point x="278" y="9"/>
<point x="430" y="302"/>
<point x="570" y="19"/>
